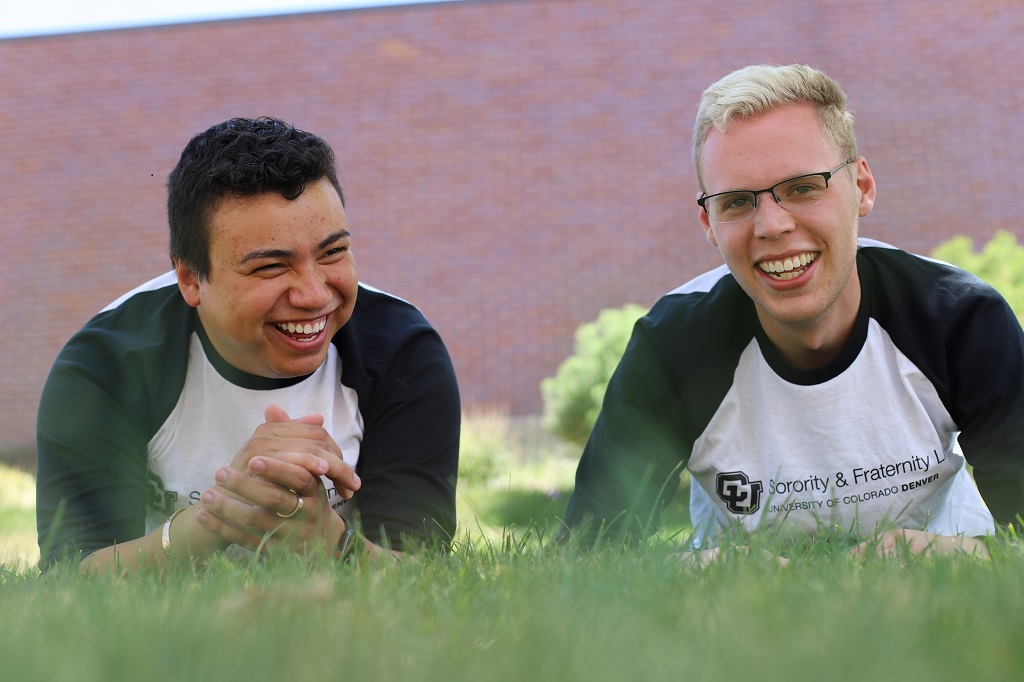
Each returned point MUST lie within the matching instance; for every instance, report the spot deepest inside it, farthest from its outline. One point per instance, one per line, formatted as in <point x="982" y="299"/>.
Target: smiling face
<point x="799" y="268"/>
<point x="282" y="280"/>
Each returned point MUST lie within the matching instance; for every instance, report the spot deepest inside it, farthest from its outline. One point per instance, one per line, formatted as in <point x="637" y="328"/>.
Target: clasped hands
<point x="272" y="494"/>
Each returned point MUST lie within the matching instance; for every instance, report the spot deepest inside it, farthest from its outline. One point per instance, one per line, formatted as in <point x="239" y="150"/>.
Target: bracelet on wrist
<point x="165" y="537"/>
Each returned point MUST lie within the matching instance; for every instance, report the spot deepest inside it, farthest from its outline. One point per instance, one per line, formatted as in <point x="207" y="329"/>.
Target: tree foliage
<point x="1000" y="263"/>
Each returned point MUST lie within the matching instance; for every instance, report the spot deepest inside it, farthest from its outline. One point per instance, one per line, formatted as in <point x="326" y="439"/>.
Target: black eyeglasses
<point x="793" y="195"/>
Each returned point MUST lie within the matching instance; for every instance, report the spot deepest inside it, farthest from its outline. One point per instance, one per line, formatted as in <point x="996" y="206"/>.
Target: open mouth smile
<point x="303" y="330"/>
<point x="788" y="268"/>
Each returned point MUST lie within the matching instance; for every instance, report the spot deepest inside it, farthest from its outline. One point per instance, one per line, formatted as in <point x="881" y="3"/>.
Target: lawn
<point x="506" y="606"/>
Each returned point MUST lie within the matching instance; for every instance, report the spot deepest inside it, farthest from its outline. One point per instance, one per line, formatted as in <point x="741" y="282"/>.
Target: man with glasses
<point x="817" y="383"/>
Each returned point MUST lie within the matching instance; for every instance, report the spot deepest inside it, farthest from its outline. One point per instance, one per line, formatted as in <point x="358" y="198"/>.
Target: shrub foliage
<point x="1000" y="263"/>
<point x="572" y="398"/>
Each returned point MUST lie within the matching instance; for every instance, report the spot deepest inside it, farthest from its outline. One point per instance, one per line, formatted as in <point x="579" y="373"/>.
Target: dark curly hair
<point x="240" y="157"/>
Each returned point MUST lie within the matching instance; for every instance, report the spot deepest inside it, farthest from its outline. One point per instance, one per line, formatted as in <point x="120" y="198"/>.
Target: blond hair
<point x="755" y="90"/>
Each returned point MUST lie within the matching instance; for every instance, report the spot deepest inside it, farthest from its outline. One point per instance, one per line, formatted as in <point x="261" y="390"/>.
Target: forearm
<point x="410" y="525"/>
<point x="188" y="542"/>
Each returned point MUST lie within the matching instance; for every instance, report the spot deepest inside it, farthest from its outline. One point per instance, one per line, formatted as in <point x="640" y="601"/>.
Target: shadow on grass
<point x="525" y="508"/>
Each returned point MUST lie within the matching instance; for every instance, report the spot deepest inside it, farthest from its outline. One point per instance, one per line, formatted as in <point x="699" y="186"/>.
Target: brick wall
<point x="511" y="166"/>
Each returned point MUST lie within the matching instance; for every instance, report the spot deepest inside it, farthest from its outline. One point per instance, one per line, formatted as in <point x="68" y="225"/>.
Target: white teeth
<point x="308" y="329"/>
<point x="784" y="269"/>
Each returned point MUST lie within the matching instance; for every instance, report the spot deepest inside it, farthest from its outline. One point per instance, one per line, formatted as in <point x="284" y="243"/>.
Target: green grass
<point x="502" y="607"/>
<point x="503" y="614"/>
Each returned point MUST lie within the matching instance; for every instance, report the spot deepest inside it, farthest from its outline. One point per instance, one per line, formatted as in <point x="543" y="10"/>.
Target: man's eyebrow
<point x="260" y="254"/>
<point x="331" y="238"/>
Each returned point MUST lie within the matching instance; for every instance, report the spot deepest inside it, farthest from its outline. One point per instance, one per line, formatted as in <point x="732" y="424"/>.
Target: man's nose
<point x="771" y="220"/>
<point x="310" y="290"/>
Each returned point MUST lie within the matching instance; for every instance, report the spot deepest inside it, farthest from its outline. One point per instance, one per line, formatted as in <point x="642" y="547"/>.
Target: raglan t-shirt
<point x="139" y="411"/>
<point x="931" y="381"/>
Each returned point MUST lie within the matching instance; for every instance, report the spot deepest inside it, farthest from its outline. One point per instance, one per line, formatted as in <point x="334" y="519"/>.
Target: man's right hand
<point x="294" y="453"/>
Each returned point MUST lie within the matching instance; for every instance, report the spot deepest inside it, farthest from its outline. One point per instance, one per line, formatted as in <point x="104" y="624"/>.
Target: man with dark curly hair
<point x="256" y="396"/>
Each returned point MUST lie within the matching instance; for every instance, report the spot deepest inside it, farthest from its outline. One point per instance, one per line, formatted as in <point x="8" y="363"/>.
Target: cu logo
<point x="740" y="494"/>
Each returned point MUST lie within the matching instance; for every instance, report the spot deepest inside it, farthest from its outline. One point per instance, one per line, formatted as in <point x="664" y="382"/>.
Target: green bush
<point x="572" y="398"/>
<point x="1000" y="263"/>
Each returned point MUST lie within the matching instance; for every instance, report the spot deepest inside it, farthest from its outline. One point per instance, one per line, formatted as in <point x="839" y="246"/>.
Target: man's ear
<point x="866" y="187"/>
<point x="188" y="283"/>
